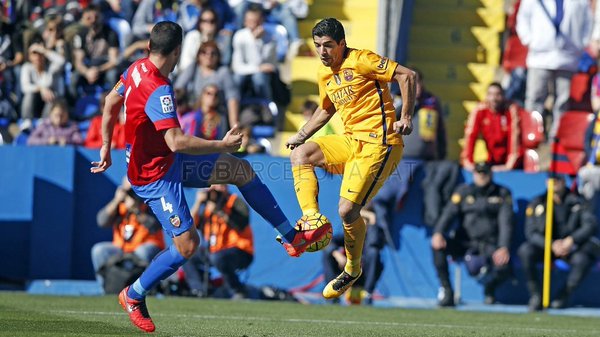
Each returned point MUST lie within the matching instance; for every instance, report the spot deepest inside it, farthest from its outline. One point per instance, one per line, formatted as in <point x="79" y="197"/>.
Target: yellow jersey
<point x="359" y="92"/>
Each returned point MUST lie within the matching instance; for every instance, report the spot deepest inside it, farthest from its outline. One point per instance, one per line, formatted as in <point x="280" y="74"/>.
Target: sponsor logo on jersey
<point x="175" y="221"/>
<point x="166" y="102"/>
<point x="348" y="75"/>
<point x="337" y="79"/>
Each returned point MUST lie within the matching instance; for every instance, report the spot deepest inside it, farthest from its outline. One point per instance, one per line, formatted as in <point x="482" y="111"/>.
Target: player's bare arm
<point x="407" y="80"/>
<point x="177" y="141"/>
<point x="316" y="122"/>
<point x="110" y="115"/>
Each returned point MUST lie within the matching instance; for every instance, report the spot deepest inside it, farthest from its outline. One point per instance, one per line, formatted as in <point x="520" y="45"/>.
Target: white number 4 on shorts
<point x="167" y="206"/>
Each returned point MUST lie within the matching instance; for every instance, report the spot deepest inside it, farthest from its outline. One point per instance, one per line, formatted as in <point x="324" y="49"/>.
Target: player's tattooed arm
<point x="317" y="121"/>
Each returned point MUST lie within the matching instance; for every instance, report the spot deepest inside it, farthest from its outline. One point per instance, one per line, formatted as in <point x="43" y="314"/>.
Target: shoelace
<point x="342" y="281"/>
<point x="141" y="306"/>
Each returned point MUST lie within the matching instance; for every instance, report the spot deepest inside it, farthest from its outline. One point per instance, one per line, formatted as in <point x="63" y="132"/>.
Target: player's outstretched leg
<point x="231" y="170"/>
<point x="133" y="297"/>
<point x="355" y="231"/>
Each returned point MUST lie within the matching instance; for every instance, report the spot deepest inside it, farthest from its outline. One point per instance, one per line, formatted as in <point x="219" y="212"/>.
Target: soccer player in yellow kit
<point x="353" y="83"/>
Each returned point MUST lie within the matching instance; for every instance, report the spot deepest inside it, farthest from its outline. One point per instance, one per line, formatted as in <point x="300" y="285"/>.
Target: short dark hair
<point x="91" y="8"/>
<point x="165" y="37"/>
<point x="256" y="8"/>
<point x="329" y="27"/>
<point x="497" y="85"/>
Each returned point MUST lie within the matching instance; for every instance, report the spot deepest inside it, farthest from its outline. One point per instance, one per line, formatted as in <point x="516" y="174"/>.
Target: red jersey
<point x="149" y="107"/>
<point x="499" y="130"/>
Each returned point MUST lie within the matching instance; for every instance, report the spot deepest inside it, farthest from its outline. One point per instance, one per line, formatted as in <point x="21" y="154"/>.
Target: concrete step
<point x="351" y="28"/>
<point x="454" y="36"/>
<point x="458" y="4"/>
<point x="344" y="12"/>
<point x="459" y="91"/>
<point x="470" y="72"/>
<point x="305" y="68"/>
<point x="459" y="109"/>
<point x="341" y="3"/>
<point x="486" y="17"/>
<point x="453" y="54"/>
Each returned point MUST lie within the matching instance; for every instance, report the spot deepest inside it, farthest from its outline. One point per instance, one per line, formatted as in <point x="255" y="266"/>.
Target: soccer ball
<point x="312" y="222"/>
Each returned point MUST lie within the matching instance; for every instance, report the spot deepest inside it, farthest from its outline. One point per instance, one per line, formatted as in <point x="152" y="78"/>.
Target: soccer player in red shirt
<point x="162" y="160"/>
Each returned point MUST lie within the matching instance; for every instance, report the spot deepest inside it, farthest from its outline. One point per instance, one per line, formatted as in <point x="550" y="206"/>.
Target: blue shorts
<point x="165" y="196"/>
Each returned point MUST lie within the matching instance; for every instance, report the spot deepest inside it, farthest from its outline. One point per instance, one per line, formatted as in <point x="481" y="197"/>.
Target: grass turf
<point x="28" y="315"/>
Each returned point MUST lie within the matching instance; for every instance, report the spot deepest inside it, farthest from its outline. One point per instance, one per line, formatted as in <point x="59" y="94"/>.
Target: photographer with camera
<point x="137" y="236"/>
<point x="223" y="218"/>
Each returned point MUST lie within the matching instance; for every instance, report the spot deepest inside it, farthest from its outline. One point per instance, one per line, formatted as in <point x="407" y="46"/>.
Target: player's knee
<point x="187" y="250"/>
<point x="348" y="212"/>
<point x="243" y="174"/>
<point x="188" y="247"/>
<point x="300" y="156"/>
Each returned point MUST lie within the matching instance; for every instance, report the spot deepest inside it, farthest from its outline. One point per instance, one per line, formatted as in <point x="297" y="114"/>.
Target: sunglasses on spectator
<point x="208" y="20"/>
<point x="209" y="52"/>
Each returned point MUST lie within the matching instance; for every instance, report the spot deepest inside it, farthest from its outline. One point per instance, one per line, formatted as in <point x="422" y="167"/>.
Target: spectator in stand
<point x="556" y="37"/>
<point x="205" y="121"/>
<point x="40" y="82"/>
<point x="573" y="241"/>
<point x="94" y="135"/>
<point x="207" y="30"/>
<point x="189" y="13"/>
<point x="497" y="121"/>
<point x="428" y="139"/>
<point x="112" y="11"/>
<point x="589" y="174"/>
<point x="483" y="236"/>
<point x="192" y="80"/>
<point x="223" y="218"/>
<point x="514" y="59"/>
<point x="57" y="129"/>
<point x="95" y="52"/>
<point x="11" y="54"/>
<point x="135" y="229"/>
<point x="52" y="36"/>
<point x="150" y="12"/>
<point x="254" y="57"/>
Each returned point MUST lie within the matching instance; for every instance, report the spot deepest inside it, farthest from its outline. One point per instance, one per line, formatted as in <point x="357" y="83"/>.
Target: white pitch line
<point x="325" y="321"/>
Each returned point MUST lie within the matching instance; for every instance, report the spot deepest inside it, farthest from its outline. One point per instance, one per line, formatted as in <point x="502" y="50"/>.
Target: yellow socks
<point x="306" y="187"/>
<point x="354" y="240"/>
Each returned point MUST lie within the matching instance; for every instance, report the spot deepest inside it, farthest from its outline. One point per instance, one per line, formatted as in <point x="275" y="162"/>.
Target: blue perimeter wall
<point x="49" y="201"/>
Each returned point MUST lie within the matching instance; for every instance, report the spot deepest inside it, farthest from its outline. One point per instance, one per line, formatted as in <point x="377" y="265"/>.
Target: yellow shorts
<point x="365" y="166"/>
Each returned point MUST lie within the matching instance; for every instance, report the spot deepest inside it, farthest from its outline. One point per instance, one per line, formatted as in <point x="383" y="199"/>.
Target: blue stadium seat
<point x="86" y="107"/>
<point x="84" y="126"/>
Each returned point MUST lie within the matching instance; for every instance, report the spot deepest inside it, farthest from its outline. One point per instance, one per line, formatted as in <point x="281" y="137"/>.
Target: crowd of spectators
<point x="74" y="52"/>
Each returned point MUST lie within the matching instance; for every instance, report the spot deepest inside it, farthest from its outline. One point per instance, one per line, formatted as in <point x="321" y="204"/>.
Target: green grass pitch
<point x="28" y="315"/>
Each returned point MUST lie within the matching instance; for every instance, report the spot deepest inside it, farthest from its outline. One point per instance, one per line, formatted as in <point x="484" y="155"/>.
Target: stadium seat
<point x="532" y="128"/>
<point x="570" y="139"/>
<point x="84" y="128"/>
<point x="86" y="107"/>
<point x="580" y="97"/>
<point x="531" y="161"/>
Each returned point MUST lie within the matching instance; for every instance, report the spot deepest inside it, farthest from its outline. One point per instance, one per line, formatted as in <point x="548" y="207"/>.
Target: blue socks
<point x="164" y="264"/>
<point x="262" y="201"/>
